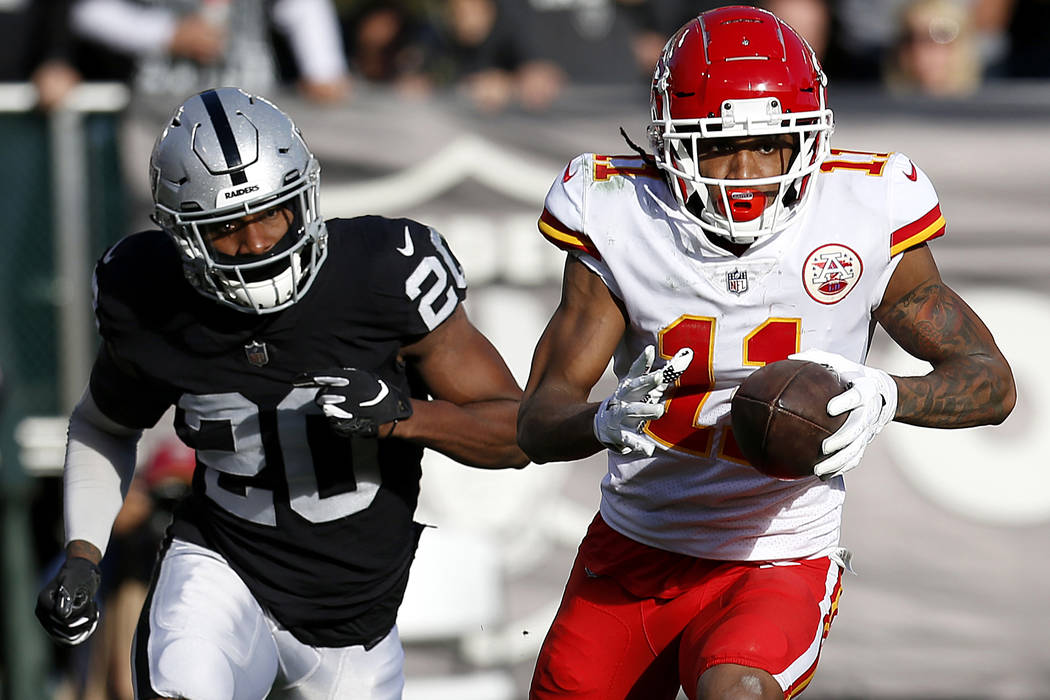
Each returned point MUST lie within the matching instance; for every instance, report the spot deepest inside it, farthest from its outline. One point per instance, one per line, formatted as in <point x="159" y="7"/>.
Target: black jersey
<point x="319" y="527"/>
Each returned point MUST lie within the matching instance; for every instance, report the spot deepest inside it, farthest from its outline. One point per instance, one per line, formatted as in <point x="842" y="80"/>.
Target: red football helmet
<point x="731" y="72"/>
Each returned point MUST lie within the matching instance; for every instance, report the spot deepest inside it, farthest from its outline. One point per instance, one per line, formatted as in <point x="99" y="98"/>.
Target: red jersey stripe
<point x="564" y="237"/>
<point x="927" y="227"/>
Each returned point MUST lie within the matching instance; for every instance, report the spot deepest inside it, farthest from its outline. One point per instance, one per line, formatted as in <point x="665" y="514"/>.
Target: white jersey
<point x="813" y="285"/>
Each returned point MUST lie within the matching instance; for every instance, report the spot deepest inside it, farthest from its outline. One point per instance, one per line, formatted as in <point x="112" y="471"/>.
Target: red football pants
<point x="606" y="643"/>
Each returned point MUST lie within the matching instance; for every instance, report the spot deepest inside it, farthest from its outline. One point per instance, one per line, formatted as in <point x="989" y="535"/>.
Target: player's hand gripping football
<point x="66" y="606"/>
<point x="357" y="402"/>
<point x="872" y="402"/>
<point x="638" y="398"/>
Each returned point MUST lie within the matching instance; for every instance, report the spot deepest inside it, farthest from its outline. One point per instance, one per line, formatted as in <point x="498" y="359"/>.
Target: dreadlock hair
<point x="649" y="159"/>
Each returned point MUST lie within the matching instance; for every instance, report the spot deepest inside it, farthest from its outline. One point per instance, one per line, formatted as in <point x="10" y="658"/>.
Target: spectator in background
<point x="1029" y="53"/>
<point x="655" y="20"/>
<point x="810" y="18"/>
<point x="35" y="46"/>
<point x="480" y="53"/>
<point x="505" y="52"/>
<point x="384" y="41"/>
<point x="179" y="46"/>
<point x="666" y="16"/>
<point x="1015" y="35"/>
<point x="936" y="52"/>
<point x="861" y="34"/>
<point x="466" y="30"/>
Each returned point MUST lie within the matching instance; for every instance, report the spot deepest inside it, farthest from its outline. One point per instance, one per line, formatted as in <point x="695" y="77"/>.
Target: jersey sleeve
<point x="111" y="287"/>
<point x="121" y="389"/>
<point x="122" y="394"/>
<point x="415" y="279"/>
<point x="914" y="209"/>
<point x="562" y="220"/>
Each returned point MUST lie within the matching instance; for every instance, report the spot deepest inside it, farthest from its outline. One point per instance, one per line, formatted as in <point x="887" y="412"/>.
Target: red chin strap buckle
<point x="745" y="204"/>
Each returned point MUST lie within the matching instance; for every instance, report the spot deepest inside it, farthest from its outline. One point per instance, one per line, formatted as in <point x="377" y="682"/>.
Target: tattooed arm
<point x="971" y="382"/>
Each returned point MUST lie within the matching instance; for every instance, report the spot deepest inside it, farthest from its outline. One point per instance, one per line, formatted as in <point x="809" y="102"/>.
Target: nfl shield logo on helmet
<point x="736" y="281"/>
<point x="257" y="353"/>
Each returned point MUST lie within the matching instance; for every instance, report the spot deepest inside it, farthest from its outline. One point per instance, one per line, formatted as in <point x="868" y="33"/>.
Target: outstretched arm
<point x="556" y="419"/>
<point x="475" y="397"/>
<point x="99" y="466"/>
<point x="971" y="382"/>
<point x="100" y="462"/>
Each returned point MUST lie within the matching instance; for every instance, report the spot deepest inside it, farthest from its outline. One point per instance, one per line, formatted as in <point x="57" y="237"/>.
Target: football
<point x="780" y="418"/>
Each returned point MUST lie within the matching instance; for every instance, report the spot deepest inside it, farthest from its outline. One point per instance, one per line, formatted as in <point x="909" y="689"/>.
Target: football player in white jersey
<point x="309" y="362"/>
<point x="742" y="239"/>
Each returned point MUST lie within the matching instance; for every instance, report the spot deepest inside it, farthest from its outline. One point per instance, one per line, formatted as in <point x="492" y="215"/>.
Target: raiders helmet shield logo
<point x="257" y="353"/>
<point x="830" y="272"/>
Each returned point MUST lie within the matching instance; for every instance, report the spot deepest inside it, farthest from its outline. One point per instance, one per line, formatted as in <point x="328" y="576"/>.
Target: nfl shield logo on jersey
<point x="736" y="281"/>
<point x="257" y="353"/>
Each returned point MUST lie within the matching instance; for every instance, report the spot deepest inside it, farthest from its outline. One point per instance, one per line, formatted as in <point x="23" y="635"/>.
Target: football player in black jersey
<point x="309" y="364"/>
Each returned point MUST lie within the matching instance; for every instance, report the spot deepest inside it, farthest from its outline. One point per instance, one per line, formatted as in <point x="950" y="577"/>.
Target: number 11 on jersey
<point x="680" y="427"/>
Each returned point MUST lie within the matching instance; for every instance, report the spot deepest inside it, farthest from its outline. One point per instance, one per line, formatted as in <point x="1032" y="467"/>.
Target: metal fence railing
<point x="60" y="183"/>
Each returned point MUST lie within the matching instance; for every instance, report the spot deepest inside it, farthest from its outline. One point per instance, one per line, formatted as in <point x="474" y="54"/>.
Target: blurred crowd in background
<point x="502" y="54"/>
<point x="499" y="55"/>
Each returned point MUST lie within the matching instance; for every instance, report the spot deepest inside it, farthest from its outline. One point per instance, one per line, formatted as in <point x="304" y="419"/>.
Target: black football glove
<point x="356" y="402"/>
<point x="66" y="607"/>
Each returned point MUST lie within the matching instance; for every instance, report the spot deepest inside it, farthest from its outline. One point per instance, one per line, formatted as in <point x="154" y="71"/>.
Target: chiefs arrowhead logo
<point x="831" y="272"/>
<point x="913" y="175"/>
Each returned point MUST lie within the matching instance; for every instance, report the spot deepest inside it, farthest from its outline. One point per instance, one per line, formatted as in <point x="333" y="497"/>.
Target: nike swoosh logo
<point x="408" y="248"/>
<point x="913" y="175"/>
<point x="566" y="176"/>
<point x="383" y="391"/>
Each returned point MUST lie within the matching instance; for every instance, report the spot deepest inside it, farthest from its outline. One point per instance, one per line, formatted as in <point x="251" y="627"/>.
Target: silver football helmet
<point x="224" y="155"/>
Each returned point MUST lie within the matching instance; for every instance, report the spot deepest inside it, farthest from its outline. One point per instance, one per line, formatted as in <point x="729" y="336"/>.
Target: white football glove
<point x="871" y="400"/>
<point x="638" y="398"/>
